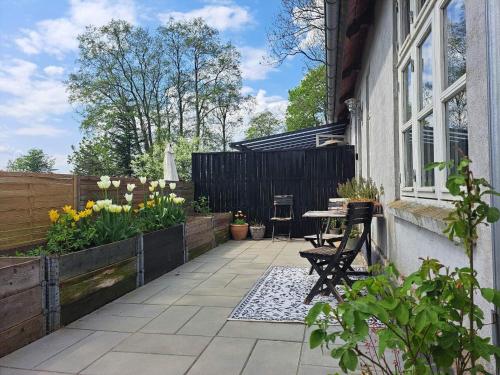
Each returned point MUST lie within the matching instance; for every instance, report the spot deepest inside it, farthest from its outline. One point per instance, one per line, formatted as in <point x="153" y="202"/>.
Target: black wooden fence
<point x="248" y="181"/>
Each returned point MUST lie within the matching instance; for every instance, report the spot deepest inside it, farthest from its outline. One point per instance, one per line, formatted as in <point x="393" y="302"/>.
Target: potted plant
<point x="257" y="230"/>
<point x="360" y="189"/>
<point x="239" y="226"/>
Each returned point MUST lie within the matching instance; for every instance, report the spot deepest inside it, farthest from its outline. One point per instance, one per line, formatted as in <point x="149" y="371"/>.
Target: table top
<point x="339" y="213"/>
<point x="332" y="213"/>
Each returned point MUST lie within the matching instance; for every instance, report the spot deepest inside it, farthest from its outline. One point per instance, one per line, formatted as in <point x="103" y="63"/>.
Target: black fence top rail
<point x="294" y="140"/>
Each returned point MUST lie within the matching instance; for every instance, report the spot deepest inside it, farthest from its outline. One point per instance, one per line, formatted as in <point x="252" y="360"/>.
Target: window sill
<point x="425" y="216"/>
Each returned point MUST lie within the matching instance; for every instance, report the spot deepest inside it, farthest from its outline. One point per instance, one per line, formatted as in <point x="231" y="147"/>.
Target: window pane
<point x="407" y="91"/>
<point x="427" y="149"/>
<point x="455" y="43"/>
<point x="408" y="157"/>
<point x="405" y="19"/>
<point x="425" y="53"/>
<point x="457" y="127"/>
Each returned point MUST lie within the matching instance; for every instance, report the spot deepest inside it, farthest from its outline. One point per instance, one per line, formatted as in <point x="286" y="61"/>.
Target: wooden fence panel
<point x="248" y="181"/>
<point x="25" y="199"/>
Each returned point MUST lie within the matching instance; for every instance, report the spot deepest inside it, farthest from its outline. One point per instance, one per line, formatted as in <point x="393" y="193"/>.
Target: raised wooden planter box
<point x="222" y="222"/>
<point x="83" y="281"/>
<point x="164" y="250"/>
<point x="22" y="302"/>
<point x="199" y="235"/>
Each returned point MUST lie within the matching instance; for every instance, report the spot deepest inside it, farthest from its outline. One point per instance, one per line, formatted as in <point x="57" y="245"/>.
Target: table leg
<point x="369" y="247"/>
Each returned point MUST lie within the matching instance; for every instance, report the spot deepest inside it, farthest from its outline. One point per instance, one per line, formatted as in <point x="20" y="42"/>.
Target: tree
<point x="262" y="125"/>
<point x="96" y="157"/>
<point x="307" y="102"/>
<point x="35" y="160"/>
<point x="299" y="29"/>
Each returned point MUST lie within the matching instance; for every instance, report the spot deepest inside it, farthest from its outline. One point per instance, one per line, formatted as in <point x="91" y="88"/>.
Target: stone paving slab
<point x="105" y="322"/>
<point x="163" y="344"/>
<point x="273" y="357"/>
<point x="269" y="331"/>
<point x="16" y="371"/>
<point x="171" y="320"/>
<point x="120" y="363"/>
<point x="207" y="322"/>
<point x="215" y="301"/>
<point x="223" y="356"/>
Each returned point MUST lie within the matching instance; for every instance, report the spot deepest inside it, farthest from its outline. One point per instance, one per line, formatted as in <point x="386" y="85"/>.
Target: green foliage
<point x="35" y="160"/>
<point x="161" y="211"/>
<point x="360" y="189"/>
<point x="96" y="157"/>
<point x="239" y="218"/>
<point x="151" y="163"/>
<point x="307" y="101"/>
<point x="201" y="205"/>
<point x="262" y="125"/>
<point x="430" y="321"/>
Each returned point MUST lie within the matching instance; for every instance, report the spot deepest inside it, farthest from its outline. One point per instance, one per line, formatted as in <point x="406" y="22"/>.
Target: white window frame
<point x="429" y="19"/>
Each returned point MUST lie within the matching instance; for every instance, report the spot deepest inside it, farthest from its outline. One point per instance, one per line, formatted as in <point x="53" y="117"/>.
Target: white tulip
<point x="100" y="184"/>
<point x="130" y="187"/>
<point x="162" y="183"/>
<point x="104" y="178"/>
<point x="126" y="208"/>
<point x="151" y="189"/>
<point x="151" y="196"/>
<point x="116" y="183"/>
<point x="96" y="208"/>
<point x="172" y="185"/>
<point x="154" y="184"/>
<point x="156" y="193"/>
<point x="172" y="195"/>
<point x="128" y="197"/>
<point x="143" y="180"/>
<point x="179" y="200"/>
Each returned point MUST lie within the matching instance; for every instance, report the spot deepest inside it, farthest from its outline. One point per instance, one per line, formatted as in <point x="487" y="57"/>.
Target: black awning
<point x="294" y="140"/>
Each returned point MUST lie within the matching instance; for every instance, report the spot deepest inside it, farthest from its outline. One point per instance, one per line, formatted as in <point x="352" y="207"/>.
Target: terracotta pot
<point x="239" y="231"/>
<point x="257" y="232"/>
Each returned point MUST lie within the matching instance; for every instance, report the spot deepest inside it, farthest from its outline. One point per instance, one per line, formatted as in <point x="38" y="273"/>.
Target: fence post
<point x="140" y="260"/>
<point x="53" y="297"/>
<point x="76" y="192"/>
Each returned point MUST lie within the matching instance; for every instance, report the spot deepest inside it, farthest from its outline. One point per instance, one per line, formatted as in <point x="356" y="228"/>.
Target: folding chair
<point x="334" y="265"/>
<point x="282" y="213"/>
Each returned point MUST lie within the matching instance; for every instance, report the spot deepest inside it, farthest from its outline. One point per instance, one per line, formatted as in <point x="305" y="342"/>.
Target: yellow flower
<point x="85" y="213"/>
<point x="53" y="215"/>
<point x="89" y="204"/>
<point x="75" y="217"/>
<point x="141" y="205"/>
<point x="151" y="203"/>
<point x="67" y="209"/>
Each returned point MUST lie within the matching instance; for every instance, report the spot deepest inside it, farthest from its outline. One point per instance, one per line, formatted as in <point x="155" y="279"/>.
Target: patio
<point x="177" y="324"/>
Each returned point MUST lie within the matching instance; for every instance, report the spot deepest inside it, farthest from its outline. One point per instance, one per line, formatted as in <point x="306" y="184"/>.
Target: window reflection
<point x="407" y="90"/>
<point x="455" y="42"/>
<point x="457" y="127"/>
<point x="427" y="149"/>
<point x="405" y="18"/>
<point x="425" y="52"/>
<point x="408" y="157"/>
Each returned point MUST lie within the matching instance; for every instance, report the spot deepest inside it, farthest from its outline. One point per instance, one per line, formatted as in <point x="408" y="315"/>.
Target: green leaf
<point x="313" y="314"/>
<point x="402" y="314"/>
<point x="491" y="295"/>
<point x="317" y="337"/>
<point x="421" y="321"/>
<point x="493" y="214"/>
<point x="349" y="359"/>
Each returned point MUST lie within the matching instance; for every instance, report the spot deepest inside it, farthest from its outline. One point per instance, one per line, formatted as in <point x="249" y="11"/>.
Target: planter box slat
<point x="22" y="334"/>
<point x="80" y="286"/>
<point x="17" y="274"/>
<point x="20" y="307"/>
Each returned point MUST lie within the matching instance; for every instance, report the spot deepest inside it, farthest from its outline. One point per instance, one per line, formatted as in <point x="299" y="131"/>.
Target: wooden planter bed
<point x="221" y="227"/>
<point x="83" y="281"/>
<point x="164" y="250"/>
<point x="22" y="302"/>
<point x="199" y="235"/>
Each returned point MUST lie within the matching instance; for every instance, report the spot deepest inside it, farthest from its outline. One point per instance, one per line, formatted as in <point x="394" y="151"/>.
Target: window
<point x="406" y="18"/>
<point x="433" y="98"/>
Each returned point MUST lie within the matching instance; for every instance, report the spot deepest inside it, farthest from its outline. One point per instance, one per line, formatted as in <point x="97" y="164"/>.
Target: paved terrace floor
<point x="177" y="324"/>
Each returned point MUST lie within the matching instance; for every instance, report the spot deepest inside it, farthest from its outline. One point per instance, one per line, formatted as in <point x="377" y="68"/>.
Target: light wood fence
<point x="25" y="199"/>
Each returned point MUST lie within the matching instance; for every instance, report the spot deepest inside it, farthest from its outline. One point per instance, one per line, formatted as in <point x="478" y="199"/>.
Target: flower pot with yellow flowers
<point x="161" y="219"/>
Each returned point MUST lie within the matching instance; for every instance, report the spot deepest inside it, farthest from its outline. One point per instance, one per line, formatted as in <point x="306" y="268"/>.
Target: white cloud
<point x="32" y="98"/>
<point x="221" y="17"/>
<point x="58" y="36"/>
<point x="5" y="149"/>
<point x="52" y="70"/>
<point x="253" y="66"/>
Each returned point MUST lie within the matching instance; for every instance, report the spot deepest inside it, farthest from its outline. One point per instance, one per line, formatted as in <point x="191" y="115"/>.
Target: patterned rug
<point x="278" y="296"/>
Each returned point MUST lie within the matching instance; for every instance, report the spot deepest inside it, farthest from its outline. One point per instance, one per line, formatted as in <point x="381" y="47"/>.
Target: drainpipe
<point x="493" y="42"/>
<point x="354" y="107"/>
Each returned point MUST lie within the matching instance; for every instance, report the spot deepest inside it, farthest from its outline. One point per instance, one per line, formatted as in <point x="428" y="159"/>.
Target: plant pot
<point x="239" y="231"/>
<point x="378" y="209"/>
<point x="164" y="250"/>
<point x="257" y="232"/>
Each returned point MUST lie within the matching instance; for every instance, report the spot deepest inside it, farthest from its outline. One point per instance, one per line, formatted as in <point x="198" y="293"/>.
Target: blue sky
<point x="38" y="49"/>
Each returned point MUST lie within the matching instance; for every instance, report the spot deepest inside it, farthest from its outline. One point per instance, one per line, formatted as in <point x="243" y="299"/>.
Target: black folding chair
<point x="334" y="265"/>
<point x="283" y="214"/>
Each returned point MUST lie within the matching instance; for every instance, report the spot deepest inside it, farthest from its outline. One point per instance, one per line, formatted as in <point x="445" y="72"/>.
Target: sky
<point x="38" y="49"/>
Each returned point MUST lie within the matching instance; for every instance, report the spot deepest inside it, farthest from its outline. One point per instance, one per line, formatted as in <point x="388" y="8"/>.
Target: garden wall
<point x="25" y="199"/>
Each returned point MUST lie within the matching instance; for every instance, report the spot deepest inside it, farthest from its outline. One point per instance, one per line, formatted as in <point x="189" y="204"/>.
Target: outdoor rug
<point x="278" y="296"/>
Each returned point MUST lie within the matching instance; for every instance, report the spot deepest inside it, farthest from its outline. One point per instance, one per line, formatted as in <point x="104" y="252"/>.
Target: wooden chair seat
<point x="326" y="237"/>
<point x="322" y="251"/>
<point x="274" y="218"/>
